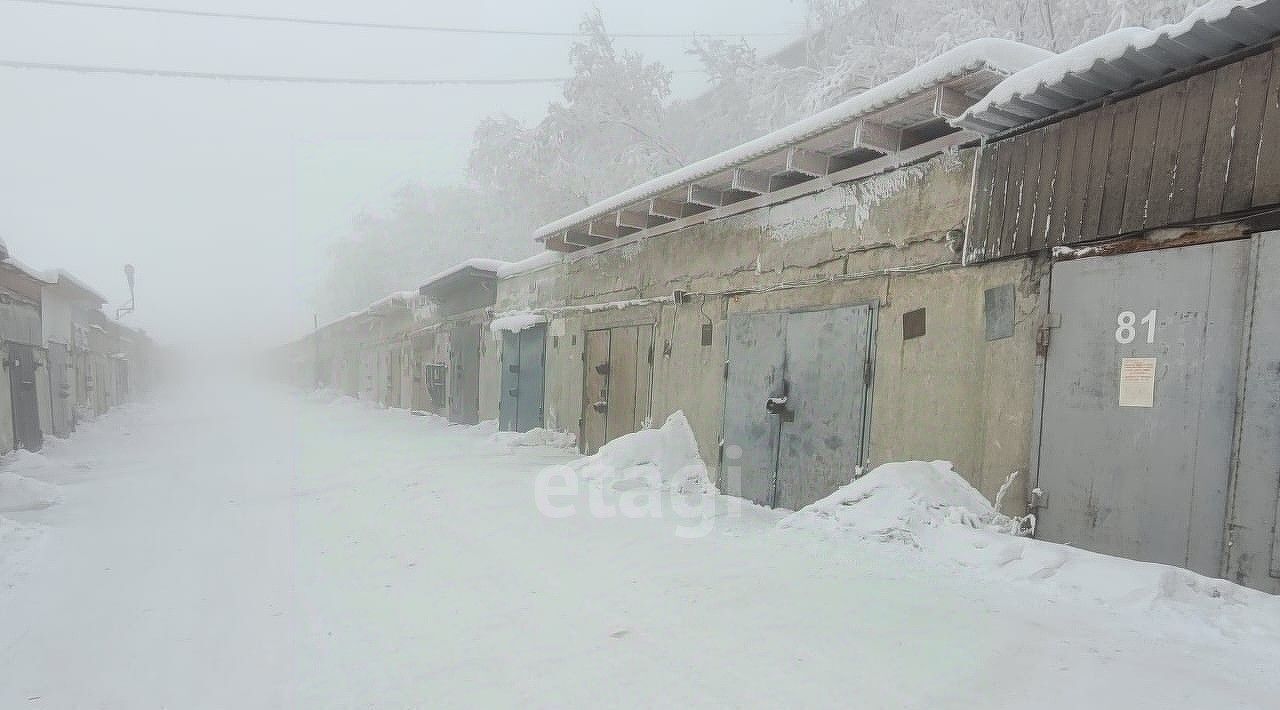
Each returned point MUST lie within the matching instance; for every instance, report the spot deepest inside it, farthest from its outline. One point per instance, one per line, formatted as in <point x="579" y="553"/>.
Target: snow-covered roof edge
<point x="1214" y="29"/>
<point x="540" y="260"/>
<point x="59" y="276"/>
<point x="487" y="265"/>
<point x="30" y="271"/>
<point x="1005" y="56"/>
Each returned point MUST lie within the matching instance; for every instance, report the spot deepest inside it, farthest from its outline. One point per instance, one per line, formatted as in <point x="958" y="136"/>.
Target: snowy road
<point x="230" y="549"/>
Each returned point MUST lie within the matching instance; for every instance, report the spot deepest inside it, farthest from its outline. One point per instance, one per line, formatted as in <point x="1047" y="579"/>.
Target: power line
<point x="381" y="25"/>
<point x="272" y="78"/>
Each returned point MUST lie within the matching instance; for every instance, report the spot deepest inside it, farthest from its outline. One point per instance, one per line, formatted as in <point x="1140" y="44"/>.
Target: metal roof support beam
<point x="673" y="209"/>
<point x="951" y="104"/>
<point x="878" y="136"/>
<point x="803" y="161"/>
<point x="750" y="181"/>
<point x="632" y="219"/>
<point x="582" y="239"/>
<point x="557" y="242"/>
<point x="607" y="228"/>
<point x="711" y="197"/>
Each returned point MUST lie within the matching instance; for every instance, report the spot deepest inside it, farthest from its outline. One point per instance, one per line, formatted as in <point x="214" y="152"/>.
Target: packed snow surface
<point x="240" y="547"/>
<point x="22" y="493"/>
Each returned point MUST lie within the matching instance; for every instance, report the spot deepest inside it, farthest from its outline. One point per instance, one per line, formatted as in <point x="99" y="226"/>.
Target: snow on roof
<point x="540" y="260"/>
<point x="31" y="272"/>
<point x="487" y="265"/>
<point x="399" y="299"/>
<point x="59" y="276"/>
<point x="1119" y="60"/>
<point x="1001" y="55"/>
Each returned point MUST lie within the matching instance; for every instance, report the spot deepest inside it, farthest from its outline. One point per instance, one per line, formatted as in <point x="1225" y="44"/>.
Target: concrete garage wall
<point x="950" y="394"/>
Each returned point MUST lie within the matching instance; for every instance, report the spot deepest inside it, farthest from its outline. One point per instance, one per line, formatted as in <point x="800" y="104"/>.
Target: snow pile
<point x="926" y="507"/>
<point x="536" y="437"/>
<point x="665" y="458"/>
<point x="516" y="322"/>
<point x="899" y="502"/>
<point x="22" y="493"/>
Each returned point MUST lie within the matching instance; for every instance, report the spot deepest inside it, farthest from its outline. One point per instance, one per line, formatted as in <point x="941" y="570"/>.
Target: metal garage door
<point x="617" y="382"/>
<point x="464" y="373"/>
<point x="26" y="404"/>
<point x="795" y="403"/>
<point x="1139" y="403"/>
<point x="523" y="356"/>
<point x="60" y="388"/>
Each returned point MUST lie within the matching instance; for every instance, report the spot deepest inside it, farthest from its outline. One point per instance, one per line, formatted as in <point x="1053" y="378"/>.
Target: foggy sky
<point x="226" y="195"/>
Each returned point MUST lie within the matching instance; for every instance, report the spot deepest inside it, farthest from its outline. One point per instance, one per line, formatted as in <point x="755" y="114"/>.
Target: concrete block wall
<point x="951" y="394"/>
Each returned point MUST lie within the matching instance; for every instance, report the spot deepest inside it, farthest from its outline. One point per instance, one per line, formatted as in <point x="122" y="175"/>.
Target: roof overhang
<point x="467" y="274"/>
<point x="912" y="110"/>
<point x="1119" y="61"/>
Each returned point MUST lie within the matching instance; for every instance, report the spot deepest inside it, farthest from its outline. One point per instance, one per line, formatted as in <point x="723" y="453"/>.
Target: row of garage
<point x="989" y="260"/>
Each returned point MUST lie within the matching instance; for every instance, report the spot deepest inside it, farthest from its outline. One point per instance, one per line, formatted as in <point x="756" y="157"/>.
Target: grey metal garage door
<point x="26" y="404"/>
<point x="795" y="403"/>
<point x="523" y="356"/>
<point x="1139" y="401"/>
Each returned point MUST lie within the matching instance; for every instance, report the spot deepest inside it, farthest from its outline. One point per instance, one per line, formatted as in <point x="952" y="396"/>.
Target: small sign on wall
<point x="1137" y="382"/>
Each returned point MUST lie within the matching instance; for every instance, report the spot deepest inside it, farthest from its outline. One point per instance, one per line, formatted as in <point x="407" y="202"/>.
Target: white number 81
<point x="1127" y="332"/>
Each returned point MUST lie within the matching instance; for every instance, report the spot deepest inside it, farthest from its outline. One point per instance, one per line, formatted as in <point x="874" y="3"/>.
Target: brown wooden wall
<point x="1193" y="150"/>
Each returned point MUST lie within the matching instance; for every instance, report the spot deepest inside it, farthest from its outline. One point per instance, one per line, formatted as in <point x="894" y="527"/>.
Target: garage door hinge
<point x="866" y="371"/>
<point x="726" y="369"/>
<point x="1050" y="321"/>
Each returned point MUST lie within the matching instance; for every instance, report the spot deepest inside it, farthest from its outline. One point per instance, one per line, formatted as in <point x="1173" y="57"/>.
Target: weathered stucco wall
<point x="950" y="394"/>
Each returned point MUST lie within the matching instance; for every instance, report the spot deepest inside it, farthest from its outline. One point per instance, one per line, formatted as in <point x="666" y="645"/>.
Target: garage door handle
<point x="513" y="368"/>
<point x="775" y="405"/>
<point x="513" y="392"/>
<point x="603" y="368"/>
<point x="600" y="407"/>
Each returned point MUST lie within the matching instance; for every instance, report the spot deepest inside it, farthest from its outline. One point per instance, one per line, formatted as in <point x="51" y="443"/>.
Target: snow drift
<point x="21" y="493"/>
<point x="665" y="458"/>
<point x="535" y="437"/>
<point x="928" y="509"/>
<point x="900" y="502"/>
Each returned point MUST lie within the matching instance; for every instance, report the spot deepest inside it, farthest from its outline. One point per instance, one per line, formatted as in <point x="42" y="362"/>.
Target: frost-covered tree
<point x="616" y="125"/>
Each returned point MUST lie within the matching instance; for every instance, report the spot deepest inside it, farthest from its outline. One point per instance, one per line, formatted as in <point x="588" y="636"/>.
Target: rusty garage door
<point x="1139" y="403"/>
<point x="795" y="403"/>
<point x="617" y="379"/>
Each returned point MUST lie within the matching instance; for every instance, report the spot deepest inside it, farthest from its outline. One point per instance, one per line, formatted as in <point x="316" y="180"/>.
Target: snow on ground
<point x="234" y="547"/>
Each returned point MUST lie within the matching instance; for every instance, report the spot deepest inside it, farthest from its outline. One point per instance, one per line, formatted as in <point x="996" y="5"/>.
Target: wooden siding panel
<point x="1137" y="193"/>
<point x="1219" y="137"/>
<point x="1113" y="190"/>
<point x="1266" y="184"/>
<point x="980" y="210"/>
<point x="1078" y="193"/>
<point x="1045" y="185"/>
<point x="1191" y="147"/>
<point x="1254" y="82"/>
<point x="1065" y="148"/>
<point x="1098" y="164"/>
<point x="1027" y="193"/>
<point x="1164" y="161"/>
<point x="999" y="198"/>
<point x="1013" y="196"/>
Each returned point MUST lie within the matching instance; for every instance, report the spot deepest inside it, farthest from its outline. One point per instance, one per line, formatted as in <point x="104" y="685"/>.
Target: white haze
<point x="226" y="196"/>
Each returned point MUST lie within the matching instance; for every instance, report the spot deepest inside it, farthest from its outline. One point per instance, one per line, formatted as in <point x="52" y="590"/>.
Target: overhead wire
<point x="277" y="78"/>
<point x="321" y="22"/>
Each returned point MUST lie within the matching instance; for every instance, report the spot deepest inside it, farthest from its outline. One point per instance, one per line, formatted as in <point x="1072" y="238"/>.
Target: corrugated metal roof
<point x="913" y="101"/>
<point x="1119" y="61"/>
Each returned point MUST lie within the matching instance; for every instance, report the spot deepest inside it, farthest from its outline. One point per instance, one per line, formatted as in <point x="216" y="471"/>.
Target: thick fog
<point x="228" y="196"/>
